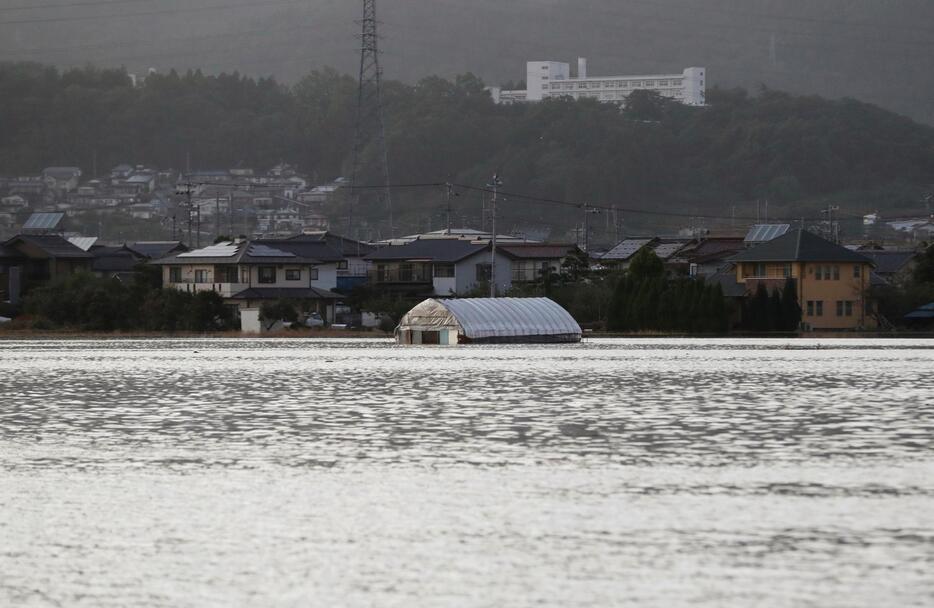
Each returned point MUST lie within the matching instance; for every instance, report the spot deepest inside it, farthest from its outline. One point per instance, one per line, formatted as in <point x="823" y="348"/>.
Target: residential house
<point x="440" y="267"/>
<point x="247" y="274"/>
<point x="350" y="255"/>
<point x="532" y="261"/>
<point x="709" y="255"/>
<point x="31" y="260"/>
<point x="832" y="281"/>
<point x="62" y="179"/>
<point x="891" y="266"/>
<point x="119" y="263"/>
<point x="621" y="255"/>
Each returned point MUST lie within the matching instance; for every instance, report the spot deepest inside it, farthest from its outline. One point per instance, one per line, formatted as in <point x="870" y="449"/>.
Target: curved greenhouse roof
<point x="492" y="320"/>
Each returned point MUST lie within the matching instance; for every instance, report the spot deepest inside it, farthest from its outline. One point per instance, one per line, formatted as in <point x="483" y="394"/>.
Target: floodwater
<point x="358" y="473"/>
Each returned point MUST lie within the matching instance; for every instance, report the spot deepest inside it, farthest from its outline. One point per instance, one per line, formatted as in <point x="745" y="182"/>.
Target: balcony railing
<point x="392" y="275"/>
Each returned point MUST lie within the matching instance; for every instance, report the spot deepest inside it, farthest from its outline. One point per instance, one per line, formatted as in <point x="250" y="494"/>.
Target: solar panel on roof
<point x="220" y="250"/>
<point x="264" y="251"/>
<point x="43" y="221"/>
<point x="761" y="233"/>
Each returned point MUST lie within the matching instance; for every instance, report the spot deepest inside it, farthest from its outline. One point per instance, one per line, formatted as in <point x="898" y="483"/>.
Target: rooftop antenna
<point x="369" y="123"/>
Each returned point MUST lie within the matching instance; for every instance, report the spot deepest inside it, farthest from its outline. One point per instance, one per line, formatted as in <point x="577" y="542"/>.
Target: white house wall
<point x="465" y="272"/>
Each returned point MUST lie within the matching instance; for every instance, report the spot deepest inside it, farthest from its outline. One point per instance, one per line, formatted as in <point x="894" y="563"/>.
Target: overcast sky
<point x="874" y="50"/>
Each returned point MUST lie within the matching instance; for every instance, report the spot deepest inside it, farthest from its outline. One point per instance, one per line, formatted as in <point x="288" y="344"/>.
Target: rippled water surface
<point x="358" y="473"/>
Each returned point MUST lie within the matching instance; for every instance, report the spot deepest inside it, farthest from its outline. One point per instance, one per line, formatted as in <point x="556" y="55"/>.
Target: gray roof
<point x="761" y="233"/>
<point x="157" y="249"/>
<point x="339" y="243"/>
<point x="312" y="249"/>
<point x="115" y="259"/>
<point x="61" y="172"/>
<point x="433" y="250"/>
<point x="246" y="252"/>
<point x="626" y="249"/>
<point x="799" y="246"/>
<point x="889" y="262"/>
<point x="52" y="244"/>
<point x="286" y="293"/>
<point x="727" y="281"/>
<point x="43" y="221"/>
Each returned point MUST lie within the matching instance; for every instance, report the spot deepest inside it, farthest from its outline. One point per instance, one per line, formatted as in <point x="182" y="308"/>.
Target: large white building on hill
<point x="547" y="79"/>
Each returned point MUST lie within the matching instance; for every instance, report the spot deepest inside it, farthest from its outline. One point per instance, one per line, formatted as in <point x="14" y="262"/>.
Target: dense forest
<point x="797" y="152"/>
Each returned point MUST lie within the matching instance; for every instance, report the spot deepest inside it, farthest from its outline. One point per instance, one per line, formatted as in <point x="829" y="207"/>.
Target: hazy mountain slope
<point x="875" y="51"/>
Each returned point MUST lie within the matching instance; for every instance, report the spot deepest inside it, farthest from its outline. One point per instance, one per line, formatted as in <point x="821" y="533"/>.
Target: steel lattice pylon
<point x="369" y="125"/>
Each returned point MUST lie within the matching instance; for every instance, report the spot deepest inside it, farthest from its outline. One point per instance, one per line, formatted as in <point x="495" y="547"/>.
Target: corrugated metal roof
<point x="496" y="317"/>
<point x="43" y="221"/>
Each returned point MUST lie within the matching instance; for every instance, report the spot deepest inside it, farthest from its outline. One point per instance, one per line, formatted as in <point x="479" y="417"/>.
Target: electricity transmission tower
<point x="369" y="125"/>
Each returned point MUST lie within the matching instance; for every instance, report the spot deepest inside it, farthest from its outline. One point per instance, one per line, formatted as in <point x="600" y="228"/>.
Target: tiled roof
<point x="157" y="249"/>
<point x="53" y="245"/>
<point x="799" y="246"/>
<point x="889" y="262"/>
<point x="317" y="250"/>
<point x="339" y="243"/>
<point x="538" y="251"/>
<point x="435" y="250"/>
<point x="114" y="259"/>
<point x="727" y="281"/>
<point x="286" y="293"/>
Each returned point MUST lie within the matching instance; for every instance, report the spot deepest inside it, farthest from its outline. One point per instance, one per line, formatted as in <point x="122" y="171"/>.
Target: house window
<point x="342" y="265"/>
<point x="857" y="271"/>
<point x="405" y="273"/>
<point x="293" y="274"/>
<point x="201" y="276"/>
<point x="819" y="308"/>
<point x="786" y="270"/>
<point x="444" y="271"/>
<point x="312" y="274"/>
<point x="175" y="274"/>
<point x="244" y="275"/>
<point x="810" y="308"/>
<point x="759" y="270"/>
<point x="848" y="308"/>
<point x="836" y="273"/>
<point x="818" y="273"/>
<point x="267" y="274"/>
<point x="839" y="308"/>
<point x="484" y="272"/>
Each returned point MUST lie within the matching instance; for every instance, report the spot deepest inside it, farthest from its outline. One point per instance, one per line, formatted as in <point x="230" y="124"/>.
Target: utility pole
<point x="588" y="211"/>
<point x="495" y="184"/>
<point x="198" y="235"/>
<point x="186" y="192"/>
<point x="450" y="195"/>
<point x="834" y="233"/>
<point x="369" y="123"/>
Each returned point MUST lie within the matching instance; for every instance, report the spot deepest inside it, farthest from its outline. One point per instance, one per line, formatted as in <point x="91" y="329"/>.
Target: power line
<point x="215" y="7"/>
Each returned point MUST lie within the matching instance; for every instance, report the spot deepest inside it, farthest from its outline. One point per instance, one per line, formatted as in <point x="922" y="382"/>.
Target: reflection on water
<point x="654" y="473"/>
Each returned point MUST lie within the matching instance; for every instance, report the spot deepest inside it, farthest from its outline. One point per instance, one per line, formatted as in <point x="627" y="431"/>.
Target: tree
<point x="791" y="310"/>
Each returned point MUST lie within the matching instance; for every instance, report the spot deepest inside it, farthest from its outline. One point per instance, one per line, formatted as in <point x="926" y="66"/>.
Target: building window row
<point x="844" y="308"/>
<point x="815" y="308"/>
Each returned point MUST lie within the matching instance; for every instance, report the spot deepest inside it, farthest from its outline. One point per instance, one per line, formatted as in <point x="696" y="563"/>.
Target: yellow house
<point x="832" y="281"/>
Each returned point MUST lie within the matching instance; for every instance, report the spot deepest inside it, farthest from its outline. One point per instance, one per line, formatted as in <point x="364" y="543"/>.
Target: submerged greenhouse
<point x="488" y="321"/>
